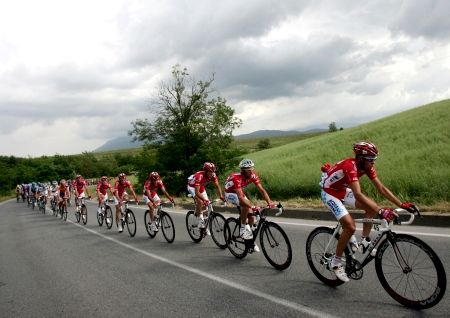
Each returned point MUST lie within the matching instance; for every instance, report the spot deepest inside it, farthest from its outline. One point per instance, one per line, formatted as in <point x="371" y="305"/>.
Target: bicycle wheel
<point x="64" y="216"/>
<point x="193" y="230"/>
<point x="318" y="258"/>
<point x="167" y="226"/>
<point x="235" y="243"/>
<point x="410" y="271"/>
<point x="147" y="222"/>
<point x="275" y="245"/>
<point x="84" y="215"/>
<point x="100" y="218"/>
<point x="108" y="217"/>
<point x="130" y="219"/>
<point x="217" y="229"/>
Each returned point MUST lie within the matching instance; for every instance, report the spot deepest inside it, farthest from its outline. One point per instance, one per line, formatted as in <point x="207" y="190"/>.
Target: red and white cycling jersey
<point x="336" y="180"/>
<point x="237" y="180"/>
<point x="79" y="185"/>
<point x="102" y="188"/>
<point x="120" y="187"/>
<point x="200" y="179"/>
<point x="153" y="188"/>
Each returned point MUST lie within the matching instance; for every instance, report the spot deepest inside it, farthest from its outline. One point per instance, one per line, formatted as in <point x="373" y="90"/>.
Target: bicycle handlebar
<point x="404" y="212"/>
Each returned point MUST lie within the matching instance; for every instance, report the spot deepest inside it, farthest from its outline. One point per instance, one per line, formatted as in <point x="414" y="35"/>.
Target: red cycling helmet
<point x="365" y="149"/>
<point x="78" y="176"/>
<point x="122" y="175"/>
<point x="104" y="178"/>
<point x="209" y="166"/>
<point x="154" y="175"/>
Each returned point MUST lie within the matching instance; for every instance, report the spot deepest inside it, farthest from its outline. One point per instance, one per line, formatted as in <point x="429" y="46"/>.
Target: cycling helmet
<point x="78" y="176"/>
<point x="122" y="175"/>
<point x="55" y="183"/>
<point x="63" y="181"/>
<point x="104" y="178"/>
<point x="246" y="164"/>
<point x="209" y="166"/>
<point x="365" y="149"/>
<point x="154" y="175"/>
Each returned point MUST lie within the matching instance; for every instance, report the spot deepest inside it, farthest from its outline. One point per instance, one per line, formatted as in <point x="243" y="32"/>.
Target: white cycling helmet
<point x="246" y="164"/>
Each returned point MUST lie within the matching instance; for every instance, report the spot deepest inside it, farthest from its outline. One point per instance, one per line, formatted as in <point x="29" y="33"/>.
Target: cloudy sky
<point x="74" y="74"/>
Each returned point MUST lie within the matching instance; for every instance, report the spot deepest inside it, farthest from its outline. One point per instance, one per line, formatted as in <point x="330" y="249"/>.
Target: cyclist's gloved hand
<point x="271" y="205"/>
<point x="387" y="214"/>
<point x="222" y="198"/>
<point x="171" y="200"/>
<point x="205" y="202"/>
<point x="410" y="207"/>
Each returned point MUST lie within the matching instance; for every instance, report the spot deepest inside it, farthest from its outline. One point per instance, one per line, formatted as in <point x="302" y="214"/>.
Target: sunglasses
<point x="370" y="159"/>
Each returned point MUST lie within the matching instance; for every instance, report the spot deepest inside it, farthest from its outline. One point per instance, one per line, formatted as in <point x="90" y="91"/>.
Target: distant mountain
<point x="126" y="143"/>
<point x="277" y="133"/>
<point x="119" y="143"/>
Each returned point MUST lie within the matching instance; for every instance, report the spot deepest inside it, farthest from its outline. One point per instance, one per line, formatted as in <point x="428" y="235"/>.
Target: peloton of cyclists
<point x="341" y="188"/>
<point x="151" y="198"/>
<point x="120" y="195"/>
<point x="234" y="194"/>
<point x="196" y="188"/>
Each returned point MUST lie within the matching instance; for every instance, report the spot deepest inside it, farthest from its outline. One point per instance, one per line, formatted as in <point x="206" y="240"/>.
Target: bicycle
<point x="127" y="217"/>
<point x="407" y="268"/>
<point x="105" y="215"/>
<point x="163" y="221"/>
<point x="63" y="210"/>
<point x="213" y="221"/>
<point x="81" y="210"/>
<point x="53" y="204"/>
<point x="274" y="242"/>
<point x="42" y="204"/>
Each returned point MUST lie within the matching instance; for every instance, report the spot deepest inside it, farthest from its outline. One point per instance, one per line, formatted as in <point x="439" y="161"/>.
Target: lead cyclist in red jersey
<point x="234" y="193"/>
<point x="196" y="187"/>
<point x="79" y="187"/>
<point x="102" y="191"/>
<point x="151" y="198"/>
<point x="341" y="188"/>
<point x="121" y="195"/>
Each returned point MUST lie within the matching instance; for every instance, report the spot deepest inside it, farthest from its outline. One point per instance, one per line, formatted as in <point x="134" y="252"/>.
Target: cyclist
<point x="79" y="187"/>
<point x="121" y="195"/>
<point x="151" y="198"/>
<point x="102" y="191"/>
<point x="196" y="188"/>
<point x="63" y="192"/>
<point x="42" y="192"/>
<point x="234" y="194"/>
<point x="341" y="188"/>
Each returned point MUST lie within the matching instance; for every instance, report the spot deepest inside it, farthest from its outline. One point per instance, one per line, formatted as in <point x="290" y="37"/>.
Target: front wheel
<point x="217" y="229"/>
<point x="319" y="258"/>
<point x="235" y="243"/>
<point x="130" y="219"/>
<point x="167" y="227"/>
<point x="78" y="215"/>
<point x="275" y="245"/>
<point x="108" y="217"/>
<point x="193" y="230"/>
<point x="64" y="213"/>
<point x="410" y="271"/>
<point x="84" y="215"/>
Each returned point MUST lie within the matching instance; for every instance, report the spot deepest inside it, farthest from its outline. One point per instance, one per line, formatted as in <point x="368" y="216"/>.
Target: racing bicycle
<point x="407" y="268"/>
<point x="127" y="217"/>
<point x="162" y="221"/>
<point x="81" y="210"/>
<point x="213" y="221"/>
<point x="274" y="242"/>
<point x="105" y="215"/>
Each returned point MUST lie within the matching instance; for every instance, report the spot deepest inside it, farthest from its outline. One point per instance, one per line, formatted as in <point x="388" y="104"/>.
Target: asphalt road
<point x="52" y="268"/>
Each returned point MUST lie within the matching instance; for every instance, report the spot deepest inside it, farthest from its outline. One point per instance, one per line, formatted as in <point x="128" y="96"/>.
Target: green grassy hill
<point x="414" y="159"/>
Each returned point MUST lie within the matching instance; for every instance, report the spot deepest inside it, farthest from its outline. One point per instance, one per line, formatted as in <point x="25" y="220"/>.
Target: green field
<point x="414" y="160"/>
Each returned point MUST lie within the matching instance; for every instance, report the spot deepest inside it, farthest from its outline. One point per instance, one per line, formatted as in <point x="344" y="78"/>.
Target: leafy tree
<point x="263" y="144"/>
<point x="191" y="127"/>
<point x="332" y="127"/>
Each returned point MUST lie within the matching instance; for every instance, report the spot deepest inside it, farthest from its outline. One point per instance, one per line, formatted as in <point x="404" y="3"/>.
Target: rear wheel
<point x="410" y="271"/>
<point x="193" y="230"/>
<point x="319" y="259"/>
<point x="147" y="221"/>
<point x="64" y="216"/>
<point x="275" y="245"/>
<point x="130" y="220"/>
<point x="235" y="243"/>
<point x="167" y="227"/>
<point x="84" y="215"/>
<point x="100" y="217"/>
<point x="217" y="229"/>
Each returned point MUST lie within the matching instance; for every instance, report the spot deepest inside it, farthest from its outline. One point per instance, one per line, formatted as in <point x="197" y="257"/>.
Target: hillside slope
<point x="414" y="158"/>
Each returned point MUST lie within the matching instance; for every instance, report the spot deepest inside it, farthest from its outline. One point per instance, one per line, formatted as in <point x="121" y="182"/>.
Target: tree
<point x="332" y="127"/>
<point x="191" y="127"/>
<point x="263" y="144"/>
